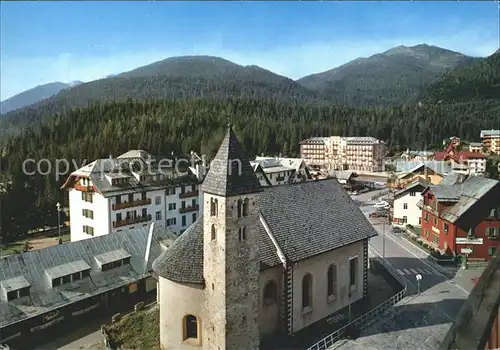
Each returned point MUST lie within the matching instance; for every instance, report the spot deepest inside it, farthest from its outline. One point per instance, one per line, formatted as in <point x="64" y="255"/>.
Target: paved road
<point x="422" y="319"/>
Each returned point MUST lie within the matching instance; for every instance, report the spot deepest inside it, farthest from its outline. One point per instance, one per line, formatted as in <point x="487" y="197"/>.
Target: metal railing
<point x="368" y="318"/>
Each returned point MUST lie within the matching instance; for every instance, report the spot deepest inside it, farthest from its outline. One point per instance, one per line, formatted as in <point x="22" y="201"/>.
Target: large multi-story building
<point x="491" y="140"/>
<point x="313" y="150"/>
<point x="461" y="216"/>
<point x="363" y="153"/>
<point x="133" y="190"/>
<point x="344" y="153"/>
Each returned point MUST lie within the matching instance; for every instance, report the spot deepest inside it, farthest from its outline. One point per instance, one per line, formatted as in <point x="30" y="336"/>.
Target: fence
<point x="109" y="343"/>
<point x="366" y="319"/>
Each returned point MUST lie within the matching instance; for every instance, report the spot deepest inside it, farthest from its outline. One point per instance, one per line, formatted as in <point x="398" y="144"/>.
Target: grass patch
<point x="20" y="246"/>
<point x="140" y="330"/>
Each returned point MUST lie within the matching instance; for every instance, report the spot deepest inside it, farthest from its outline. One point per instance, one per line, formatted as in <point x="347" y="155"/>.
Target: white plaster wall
<point x="100" y="222"/>
<point x="178" y="227"/>
<point x="75" y="215"/>
<point x="176" y="301"/>
<point x="318" y="267"/>
<point x="413" y="213"/>
<point x="269" y="317"/>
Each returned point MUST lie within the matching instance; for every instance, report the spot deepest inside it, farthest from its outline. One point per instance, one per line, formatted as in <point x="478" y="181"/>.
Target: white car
<point x="381" y="204"/>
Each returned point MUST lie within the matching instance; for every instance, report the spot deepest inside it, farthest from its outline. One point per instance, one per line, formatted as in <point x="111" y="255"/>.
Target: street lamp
<point x="419" y="278"/>
<point x="58" y="206"/>
<point x="383" y="205"/>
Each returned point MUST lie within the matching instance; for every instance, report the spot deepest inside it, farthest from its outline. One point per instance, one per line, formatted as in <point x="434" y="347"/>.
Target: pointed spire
<point x="230" y="172"/>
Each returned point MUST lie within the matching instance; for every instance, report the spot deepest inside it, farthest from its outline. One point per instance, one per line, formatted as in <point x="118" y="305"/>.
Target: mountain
<point x="34" y="95"/>
<point x="479" y="82"/>
<point x="177" y="78"/>
<point x="393" y="77"/>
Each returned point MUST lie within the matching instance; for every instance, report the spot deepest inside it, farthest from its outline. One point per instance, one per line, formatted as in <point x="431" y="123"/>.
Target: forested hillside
<point x="33" y="95"/>
<point x="477" y="82"/>
<point x="180" y="78"/>
<point x="391" y="78"/>
<point x="161" y="127"/>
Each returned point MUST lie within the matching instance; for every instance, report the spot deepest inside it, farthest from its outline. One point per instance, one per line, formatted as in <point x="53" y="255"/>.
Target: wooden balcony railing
<point x="82" y="188"/>
<point x="136" y="203"/>
<point x="189" y="194"/>
<point x="189" y="209"/>
<point x="132" y="221"/>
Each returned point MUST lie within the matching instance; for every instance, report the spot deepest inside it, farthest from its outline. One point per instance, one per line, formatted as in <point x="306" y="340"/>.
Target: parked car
<point x="373" y="215"/>
<point x="397" y="230"/>
<point x="355" y="193"/>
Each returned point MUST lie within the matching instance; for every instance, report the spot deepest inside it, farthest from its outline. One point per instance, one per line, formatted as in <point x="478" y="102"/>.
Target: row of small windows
<point x="242" y="207"/>
<point x="70" y="278"/>
<point x="242" y="233"/>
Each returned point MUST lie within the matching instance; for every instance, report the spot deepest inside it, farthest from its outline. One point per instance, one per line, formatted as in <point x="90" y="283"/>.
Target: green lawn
<point x="18" y="246"/>
<point x="140" y="330"/>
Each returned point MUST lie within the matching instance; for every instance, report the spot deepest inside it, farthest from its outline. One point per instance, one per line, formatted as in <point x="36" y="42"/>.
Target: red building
<point x="461" y="216"/>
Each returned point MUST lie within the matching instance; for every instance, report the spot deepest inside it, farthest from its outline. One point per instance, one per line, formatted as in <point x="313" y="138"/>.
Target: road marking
<point x="407" y="271"/>
<point x="400" y="272"/>
<point x="413" y="271"/>
<point x="388" y="235"/>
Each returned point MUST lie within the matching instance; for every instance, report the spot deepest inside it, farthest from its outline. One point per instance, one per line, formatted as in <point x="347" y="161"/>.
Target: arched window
<point x="242" y="233"/>
<point x="240" y="208"/>
<point x="190" y="327"/>
<point x="331" y="277"/>
<point x="213" y="206"/>
<point x="213" y="233"/>
<point x="246" y="204"/>
<point x="270" y="293"/>
<point x="307" y="291"/>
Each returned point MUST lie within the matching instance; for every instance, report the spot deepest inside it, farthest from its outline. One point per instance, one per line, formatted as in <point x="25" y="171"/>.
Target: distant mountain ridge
<point x="34" y="95"/>
<point x="393" y="77"/>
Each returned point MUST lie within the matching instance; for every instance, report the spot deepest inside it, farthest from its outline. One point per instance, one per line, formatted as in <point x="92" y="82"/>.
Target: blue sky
<point x="42" y="42"/>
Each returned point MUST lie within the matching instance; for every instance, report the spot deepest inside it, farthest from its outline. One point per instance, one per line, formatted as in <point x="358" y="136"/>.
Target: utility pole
<point x="58" y="206"/>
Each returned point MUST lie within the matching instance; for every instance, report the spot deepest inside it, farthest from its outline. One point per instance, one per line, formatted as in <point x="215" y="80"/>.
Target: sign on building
<point x="466" y="240"/>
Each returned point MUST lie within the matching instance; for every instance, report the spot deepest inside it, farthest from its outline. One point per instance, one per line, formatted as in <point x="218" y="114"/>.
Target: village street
<point x="421" y="319"/>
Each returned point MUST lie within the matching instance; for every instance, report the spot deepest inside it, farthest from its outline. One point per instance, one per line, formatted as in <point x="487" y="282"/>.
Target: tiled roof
<point x="465" y="195"/>
<point x="183" y="261"/>
<point x="306" y="219"/>
<point x="134" y="161"/>
<point x="439" y="167"/>
<point x="32" y="268"/>
<point x="419" y="182"/>
<point x="230" y="172"/>
<point x="314" y="140"/>
<point x="453" y="178"/>
<point x="489" y="133"/>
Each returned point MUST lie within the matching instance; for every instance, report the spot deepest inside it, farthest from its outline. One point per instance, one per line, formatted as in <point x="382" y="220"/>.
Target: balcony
<point x="82" y="188"/>
<point x="189" y="209"/>
<point x="280" y="178"/>
<point x="131" y="221"/>
<point x="127" y="205"/>
<point x="430" y="210"/>
<point x="189" y="194"/>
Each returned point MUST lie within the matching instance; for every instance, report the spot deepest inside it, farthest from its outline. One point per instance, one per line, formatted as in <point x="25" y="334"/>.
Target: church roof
<point x="183" y="261"/>
<point x="230" y="172"/>
<point x="306" y="219"/>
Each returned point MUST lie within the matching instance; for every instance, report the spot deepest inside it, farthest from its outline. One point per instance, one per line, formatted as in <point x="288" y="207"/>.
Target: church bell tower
<point x="231" y="196"/>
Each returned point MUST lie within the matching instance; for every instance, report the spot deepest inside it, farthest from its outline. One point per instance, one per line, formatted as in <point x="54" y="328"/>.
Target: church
<point x="260" y="260"/>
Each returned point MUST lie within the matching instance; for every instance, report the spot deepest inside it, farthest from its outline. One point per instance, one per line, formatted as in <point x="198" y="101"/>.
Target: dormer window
<point x="15" y="288"/>
<point x="67" y="273"/>
<point x="113" y="259"/>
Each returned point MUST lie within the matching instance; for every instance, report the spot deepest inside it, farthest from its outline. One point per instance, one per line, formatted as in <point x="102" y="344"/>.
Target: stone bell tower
<point x="231" y="194"/>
